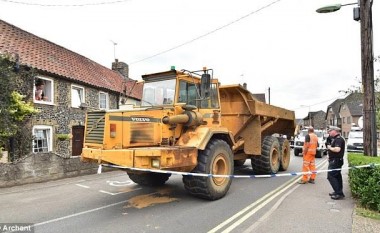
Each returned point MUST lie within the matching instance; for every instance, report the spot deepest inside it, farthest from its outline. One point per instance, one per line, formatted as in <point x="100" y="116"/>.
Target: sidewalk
<point x="309" y="208"/>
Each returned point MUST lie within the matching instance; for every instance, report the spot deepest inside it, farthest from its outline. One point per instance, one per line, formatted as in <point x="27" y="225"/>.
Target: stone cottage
<point x="332" y="113"/>
<point x="66" y="86"/>
<point x="315" y="119"/>
<point x="346" y="112"/>
<point x="350" y="111"/>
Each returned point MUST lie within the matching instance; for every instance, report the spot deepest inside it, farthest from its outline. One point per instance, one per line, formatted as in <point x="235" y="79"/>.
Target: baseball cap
<point x="333" y="128"/>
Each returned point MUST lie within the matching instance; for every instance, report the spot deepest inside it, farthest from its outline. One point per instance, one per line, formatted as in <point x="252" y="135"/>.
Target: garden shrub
<point x="365" y="182"/>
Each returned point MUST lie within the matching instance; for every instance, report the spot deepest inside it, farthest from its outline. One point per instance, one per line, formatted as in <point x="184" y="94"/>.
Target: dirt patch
<point x="142" y="201"/>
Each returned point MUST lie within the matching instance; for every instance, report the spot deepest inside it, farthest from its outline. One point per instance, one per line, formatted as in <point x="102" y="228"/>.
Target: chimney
<point x="121" y="67"/>
<point x="245" y="85"/>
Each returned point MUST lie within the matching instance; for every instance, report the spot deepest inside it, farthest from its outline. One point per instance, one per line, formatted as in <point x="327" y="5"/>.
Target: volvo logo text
<point x="140" y="119"/>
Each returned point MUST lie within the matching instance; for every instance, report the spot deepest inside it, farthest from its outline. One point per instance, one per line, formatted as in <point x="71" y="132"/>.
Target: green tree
<point x="359" y="88"/>
<point x="15" y="106"/>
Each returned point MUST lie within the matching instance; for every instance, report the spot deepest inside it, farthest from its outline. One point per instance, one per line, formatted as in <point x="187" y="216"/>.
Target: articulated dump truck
<point x="188" y="123"/>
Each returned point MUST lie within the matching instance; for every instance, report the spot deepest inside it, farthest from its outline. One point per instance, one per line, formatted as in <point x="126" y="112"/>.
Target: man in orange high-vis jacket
<point x="309" y="151"/>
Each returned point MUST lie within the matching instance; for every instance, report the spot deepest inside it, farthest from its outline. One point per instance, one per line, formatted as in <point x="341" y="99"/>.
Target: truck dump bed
<point x="244" y="115"/>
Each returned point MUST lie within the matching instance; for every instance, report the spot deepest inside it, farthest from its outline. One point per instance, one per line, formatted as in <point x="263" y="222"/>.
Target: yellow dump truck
<point x="187" y="122"/>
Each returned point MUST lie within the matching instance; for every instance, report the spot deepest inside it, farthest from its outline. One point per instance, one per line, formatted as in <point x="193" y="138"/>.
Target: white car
<point x="300" y="139"/>
<point x="355" y="141"/>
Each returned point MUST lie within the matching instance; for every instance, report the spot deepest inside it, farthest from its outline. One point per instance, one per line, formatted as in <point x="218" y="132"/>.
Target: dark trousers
<point x="335" y="177"/>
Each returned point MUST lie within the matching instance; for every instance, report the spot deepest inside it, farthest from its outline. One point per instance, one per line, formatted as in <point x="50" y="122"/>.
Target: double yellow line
<point x="247" y="212"/>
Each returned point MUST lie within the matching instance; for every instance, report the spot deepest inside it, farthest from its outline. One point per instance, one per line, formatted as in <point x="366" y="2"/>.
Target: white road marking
<point x="83" y="186"/>
<point x="113" y="194"/>
<point x="120" y="183"/>
<point x="102" y="191"/>
<point x="78" y="214"/>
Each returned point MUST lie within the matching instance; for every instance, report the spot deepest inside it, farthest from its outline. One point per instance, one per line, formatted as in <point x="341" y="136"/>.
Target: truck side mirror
<point x="205" y="85"/>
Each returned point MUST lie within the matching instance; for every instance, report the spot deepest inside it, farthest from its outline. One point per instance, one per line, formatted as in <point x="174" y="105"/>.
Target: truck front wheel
<point x="216" y="159"/>
<point x="148" y="178"/>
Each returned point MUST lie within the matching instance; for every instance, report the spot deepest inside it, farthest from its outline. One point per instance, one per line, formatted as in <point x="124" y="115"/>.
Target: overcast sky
<point x="305" y="58"/>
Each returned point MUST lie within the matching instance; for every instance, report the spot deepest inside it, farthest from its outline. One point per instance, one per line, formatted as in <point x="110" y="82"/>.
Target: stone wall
<point x="319" y="120"/>
<point x="43" y="167"/>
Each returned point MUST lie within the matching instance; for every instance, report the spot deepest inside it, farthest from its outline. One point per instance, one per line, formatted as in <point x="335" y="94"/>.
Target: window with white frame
<point x="77" y="96"/>
<point x="103" y="100"/>
<point x="42" y="141"/>
<point x="43" y="90"/>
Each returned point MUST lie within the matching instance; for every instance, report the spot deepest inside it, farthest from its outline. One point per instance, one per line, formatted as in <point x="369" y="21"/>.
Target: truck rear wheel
<point x="269" y="160"/>
<point x="285" y="154"/>
<point x="148" y="178"/>
<point x="215" y="159"/>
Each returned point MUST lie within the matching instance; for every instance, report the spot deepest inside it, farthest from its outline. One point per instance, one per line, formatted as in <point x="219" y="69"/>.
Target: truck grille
<point x="142" y="132"/>
<point x="95" y="127"/>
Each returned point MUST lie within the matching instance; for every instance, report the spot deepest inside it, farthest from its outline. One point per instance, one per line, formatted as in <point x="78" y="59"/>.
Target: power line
<point x="208" y="33"/>
<point x="64" y="5"/>
<point x="322" y="102"/>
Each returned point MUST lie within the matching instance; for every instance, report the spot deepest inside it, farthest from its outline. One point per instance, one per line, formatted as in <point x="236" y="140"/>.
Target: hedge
<point x="365" y="182"/>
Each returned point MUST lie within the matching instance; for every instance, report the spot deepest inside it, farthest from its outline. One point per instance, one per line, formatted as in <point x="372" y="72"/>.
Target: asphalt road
<point x="110" y="202"/>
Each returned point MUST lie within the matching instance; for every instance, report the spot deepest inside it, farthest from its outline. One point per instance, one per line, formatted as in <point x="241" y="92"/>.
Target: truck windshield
<point x="158" y="93"/>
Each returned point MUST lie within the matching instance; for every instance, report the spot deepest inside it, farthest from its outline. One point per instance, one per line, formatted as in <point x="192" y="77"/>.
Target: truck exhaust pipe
<point x="189" y="118"/>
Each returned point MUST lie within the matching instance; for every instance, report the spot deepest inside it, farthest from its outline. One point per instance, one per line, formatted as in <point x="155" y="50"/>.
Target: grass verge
<point x="367" y="213"/>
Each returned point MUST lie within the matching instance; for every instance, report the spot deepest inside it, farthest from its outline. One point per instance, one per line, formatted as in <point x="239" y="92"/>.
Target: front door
<point x="78" y="136"/>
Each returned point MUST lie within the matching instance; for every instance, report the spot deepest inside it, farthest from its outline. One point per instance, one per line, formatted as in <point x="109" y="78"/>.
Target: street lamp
<point x="364" y="14"/>
<point x="332" y="8"/>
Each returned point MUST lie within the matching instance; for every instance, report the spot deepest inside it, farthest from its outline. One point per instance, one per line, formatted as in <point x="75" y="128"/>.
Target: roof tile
<point x="44" y="55"/>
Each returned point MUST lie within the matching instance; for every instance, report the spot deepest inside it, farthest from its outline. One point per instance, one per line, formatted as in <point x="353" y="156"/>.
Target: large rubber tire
<point x="285" y="154"/>
<point x="319" y="154"/>
<point x="148" y="178"/>
<point x="215" y="159"/>
<point x="269" y="160"/>
<point x="297" y="151"/>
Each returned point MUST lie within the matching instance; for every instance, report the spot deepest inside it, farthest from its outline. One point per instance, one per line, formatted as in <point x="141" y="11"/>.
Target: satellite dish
<point x="360" y="122"/>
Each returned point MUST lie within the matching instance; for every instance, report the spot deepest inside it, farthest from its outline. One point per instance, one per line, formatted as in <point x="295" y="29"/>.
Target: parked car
<point x="300" y="139"/>
<point x="355" y="141"/>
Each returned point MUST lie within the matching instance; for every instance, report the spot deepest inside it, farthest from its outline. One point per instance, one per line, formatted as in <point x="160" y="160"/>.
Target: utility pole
<point x="369" y="129"/>
<point x="364" y="14"/>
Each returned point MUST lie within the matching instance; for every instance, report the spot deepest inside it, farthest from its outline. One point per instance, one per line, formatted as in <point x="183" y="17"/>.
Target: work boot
<point x="337" y="196"/>
<point x="332" y="194"/>
<point x="302" y="182"/>
<point x="312" y="181"/>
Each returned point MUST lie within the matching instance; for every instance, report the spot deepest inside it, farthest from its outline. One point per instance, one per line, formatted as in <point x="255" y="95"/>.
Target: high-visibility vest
<point x="313" y="144"/>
